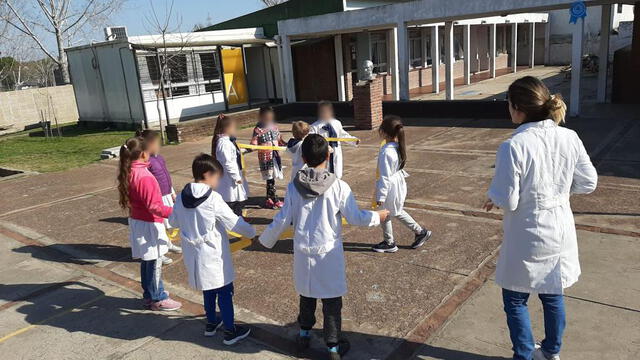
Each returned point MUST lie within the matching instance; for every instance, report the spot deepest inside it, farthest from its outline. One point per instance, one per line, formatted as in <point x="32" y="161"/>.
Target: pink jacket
<point x="144" y="195"/>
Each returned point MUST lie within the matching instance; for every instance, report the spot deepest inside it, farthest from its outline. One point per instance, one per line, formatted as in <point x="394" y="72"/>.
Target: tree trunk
<point x="62" y="58"/>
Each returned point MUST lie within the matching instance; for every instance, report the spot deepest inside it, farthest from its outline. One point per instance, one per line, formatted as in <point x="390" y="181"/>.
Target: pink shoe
<point x="269" y="204"/>
<point x="146" y="303"/>
<point x="167" y="304"/>
<point x="279" y="204"/>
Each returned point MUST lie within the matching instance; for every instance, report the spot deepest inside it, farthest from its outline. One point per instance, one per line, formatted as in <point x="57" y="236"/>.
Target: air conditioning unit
<point x="115" y="32"/>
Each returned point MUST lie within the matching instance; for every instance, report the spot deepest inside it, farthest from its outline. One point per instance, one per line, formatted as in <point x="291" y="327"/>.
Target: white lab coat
<point x="391" y="187"/>
<point x="228" y="188"/>
<point x="296" y="158"/>
<point x="148" y="240"/>
<point x="316" y="128"/>
<point x="537" y="169"/>
<point x="205" y="244"/>
<point x="318" y="255"/>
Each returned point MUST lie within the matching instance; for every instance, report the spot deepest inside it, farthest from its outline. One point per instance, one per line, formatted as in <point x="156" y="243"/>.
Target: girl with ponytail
<point x="391" y="187"/>
<point x="140" y="196"/>
<point x="537" y="170"/>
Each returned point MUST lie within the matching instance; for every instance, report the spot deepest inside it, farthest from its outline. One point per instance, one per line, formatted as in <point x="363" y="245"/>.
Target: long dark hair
<point x="392" y="127"/>
<point x="129" y="152"/>
<point x="222" y="123"/>
<point x="533" y="98"/>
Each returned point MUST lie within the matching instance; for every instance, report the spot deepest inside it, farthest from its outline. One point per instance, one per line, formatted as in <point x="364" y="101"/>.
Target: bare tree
<point x="269" y="3"/>
<point x="170" y="55"/>
<point x="63" y="20"/>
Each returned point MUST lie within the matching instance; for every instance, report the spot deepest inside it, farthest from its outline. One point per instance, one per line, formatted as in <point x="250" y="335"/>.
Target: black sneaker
<point x="383" y="247"/>
<point x="343" y="348"/>
<point x="210" y="329"/>
<point x="303" y="343"/>
<point x="421" y="239"/>
<point x="232" y="337"/>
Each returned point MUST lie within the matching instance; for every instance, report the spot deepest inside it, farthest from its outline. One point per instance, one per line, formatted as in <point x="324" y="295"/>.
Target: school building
<point x="306" y="50"/>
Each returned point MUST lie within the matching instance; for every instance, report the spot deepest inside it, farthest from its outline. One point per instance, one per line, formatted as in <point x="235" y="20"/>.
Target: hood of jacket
<point x="293" y="142"/>
<point x="312" y="182"/>
<point x="195" y="194"/>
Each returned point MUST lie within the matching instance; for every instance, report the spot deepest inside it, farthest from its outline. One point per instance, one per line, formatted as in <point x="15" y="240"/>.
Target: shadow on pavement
<point x="81" y="254"/>
<point x="78" y="307"/>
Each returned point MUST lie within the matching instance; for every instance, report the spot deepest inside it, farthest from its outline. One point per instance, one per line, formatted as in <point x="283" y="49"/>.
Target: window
<point x="379" y="52"/>
<point x="211" y="87"/>
<point x="177" y="68"/>
<point x="501" y="39"/>
<point x="154" y="69"/>
<point x="415" y="48"/>
<point x="180" y="91"/>
<point x="209" y="65"/>
<point x="458" y="36"/>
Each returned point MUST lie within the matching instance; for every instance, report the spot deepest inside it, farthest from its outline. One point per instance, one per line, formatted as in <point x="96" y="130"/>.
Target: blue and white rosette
<point x="578" y="11"/>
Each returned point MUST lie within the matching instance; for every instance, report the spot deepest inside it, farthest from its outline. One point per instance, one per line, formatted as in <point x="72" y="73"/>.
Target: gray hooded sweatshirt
<point x="312" y="182"/>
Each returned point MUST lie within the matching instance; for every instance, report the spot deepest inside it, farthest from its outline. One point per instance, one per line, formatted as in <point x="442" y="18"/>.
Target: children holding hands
<point x="204" y="219"/>
<point x="315" y="203"/>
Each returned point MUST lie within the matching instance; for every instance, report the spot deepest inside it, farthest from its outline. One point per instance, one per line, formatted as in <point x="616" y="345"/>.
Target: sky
<point x="191" y="11"/>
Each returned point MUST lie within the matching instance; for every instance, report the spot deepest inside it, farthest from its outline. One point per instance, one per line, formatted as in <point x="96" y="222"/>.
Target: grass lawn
<point x="77" y="147"/>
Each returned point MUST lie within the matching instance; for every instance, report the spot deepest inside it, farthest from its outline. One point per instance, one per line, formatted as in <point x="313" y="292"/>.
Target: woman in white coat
<point x="233" y="187"/>
<point x="204" y="218"/>
<point x="329" y="127"/>
<point x="537" y="170"/>
<point x="391" y="187"/>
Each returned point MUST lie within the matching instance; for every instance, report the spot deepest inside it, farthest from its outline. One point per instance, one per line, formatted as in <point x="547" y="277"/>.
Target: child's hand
<point x="488" y="205"/>
<point x="239" y="182"/>
<point x="384" y="214"/>
<point x="173" y="196"/>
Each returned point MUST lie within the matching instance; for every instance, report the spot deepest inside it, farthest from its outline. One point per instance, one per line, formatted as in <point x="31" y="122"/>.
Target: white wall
<point x="361" y="4"/>
<point x="185" y="107"/>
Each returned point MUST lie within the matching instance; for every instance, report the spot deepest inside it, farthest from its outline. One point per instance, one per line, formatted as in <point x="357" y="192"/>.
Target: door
<point x="315" y="70"/>
<point x="234" y="80"/>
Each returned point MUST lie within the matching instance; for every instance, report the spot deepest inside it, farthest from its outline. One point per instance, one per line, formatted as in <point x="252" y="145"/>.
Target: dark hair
<point x="203" y="164"/>
<point x="222" y="123"/>
<point x="148" y="135"/>
<point x="324" y="103"/>
<point x="129" y="152"/>
<point x="392" y="127"/>
<point x="265" y="109"/>
<point x="314" y="150"/>
<point x="532" y="97"/>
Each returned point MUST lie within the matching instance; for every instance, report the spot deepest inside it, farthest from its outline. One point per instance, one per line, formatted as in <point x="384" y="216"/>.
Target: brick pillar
<point x="348" y="85"/>
<point x="367" y="104"/>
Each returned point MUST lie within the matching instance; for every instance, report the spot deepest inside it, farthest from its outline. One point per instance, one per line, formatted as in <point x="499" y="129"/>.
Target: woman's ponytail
<point x="222" y="123"/>
<point x="402" y="147"/>
<point x="557" y="108"/>
<point x="130" y="151"/>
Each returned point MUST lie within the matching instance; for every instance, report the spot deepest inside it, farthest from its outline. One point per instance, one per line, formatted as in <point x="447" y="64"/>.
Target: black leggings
<point x="236" y="207"/>
<point x="271" y="190"/>
<point x="331" y="312"/>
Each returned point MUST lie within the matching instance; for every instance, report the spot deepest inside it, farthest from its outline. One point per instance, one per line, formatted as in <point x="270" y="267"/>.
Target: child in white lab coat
<point x="329" y="127"/>
<point x="391" y="187"/>
<point x="316" y="202"/>
<point x="300" y="130"/>
<point x="204" y="218"/>
<point x="233" y="186"/>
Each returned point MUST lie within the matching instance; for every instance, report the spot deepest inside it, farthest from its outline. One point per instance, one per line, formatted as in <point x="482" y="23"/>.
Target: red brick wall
<point x="367" y="104"/>
<point x="201" y="128"/>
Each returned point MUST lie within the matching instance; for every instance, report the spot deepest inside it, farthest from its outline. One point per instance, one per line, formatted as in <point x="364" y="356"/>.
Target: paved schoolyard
<point x="69" y="288"/>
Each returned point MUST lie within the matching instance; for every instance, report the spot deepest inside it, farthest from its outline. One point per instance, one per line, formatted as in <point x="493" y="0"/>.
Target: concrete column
<point x="547" y="42"/>
<point x="337" y="44"/>
<point x="448" y="61"/>
<point x="287" y="62"/>
<point x="402" y="43"/>
<point x="424" y="35"/>
<point x="576" y="67"/>
<point x="393" y="63"/>
<point x="492" y="50"/>
<point x="603" y="56"/>
<point x="435" y="60"/>
<point x="532" y="45"/>
<point x="466" y="45"/>
<point x="363" y="50"/>
<point x="514" y="47"/>
<point x="283" y="83"/>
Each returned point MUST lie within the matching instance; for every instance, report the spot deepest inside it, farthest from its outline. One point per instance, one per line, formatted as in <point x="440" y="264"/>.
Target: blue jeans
<point x="225" y="303"/>
<point x="150" y="279"/>
<point x="515" y="306"/>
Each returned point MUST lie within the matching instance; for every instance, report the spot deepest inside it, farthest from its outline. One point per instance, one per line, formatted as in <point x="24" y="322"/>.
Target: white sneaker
<point x="175" y="248"/>
<point x="166" y="260"/>
<point x="538" y="354"/>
